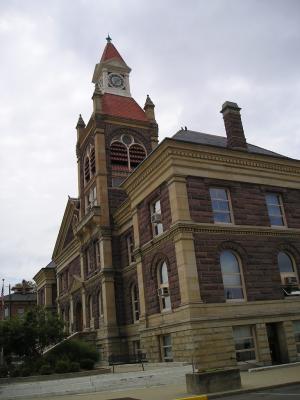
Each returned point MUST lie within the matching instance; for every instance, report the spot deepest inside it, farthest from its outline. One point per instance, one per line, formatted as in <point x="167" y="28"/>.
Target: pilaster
<point x="109" y="302"/>
<point x="187" y="268"/>
<point x="179" y="199"/>
<point x="71" y="314"/>
<point x="83" y="301"/>
<point x="101" y="176"/>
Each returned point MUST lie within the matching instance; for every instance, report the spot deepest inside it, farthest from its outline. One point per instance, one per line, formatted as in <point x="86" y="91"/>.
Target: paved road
<point x="284" y="393"/>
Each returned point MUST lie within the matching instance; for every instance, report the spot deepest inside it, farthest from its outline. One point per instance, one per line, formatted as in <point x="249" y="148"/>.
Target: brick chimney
<point x="233" y="125"/>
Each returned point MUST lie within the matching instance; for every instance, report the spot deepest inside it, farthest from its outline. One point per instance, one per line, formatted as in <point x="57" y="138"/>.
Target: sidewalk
<point x="161" y="383"/>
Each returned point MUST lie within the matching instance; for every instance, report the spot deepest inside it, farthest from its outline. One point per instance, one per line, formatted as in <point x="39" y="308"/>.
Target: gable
<point x="66" y="234"/>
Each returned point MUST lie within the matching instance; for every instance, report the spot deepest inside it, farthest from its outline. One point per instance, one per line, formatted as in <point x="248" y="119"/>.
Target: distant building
<point x="46" y="287"/>
<point x="21" y="299"/>
<point x="187" y="248"/>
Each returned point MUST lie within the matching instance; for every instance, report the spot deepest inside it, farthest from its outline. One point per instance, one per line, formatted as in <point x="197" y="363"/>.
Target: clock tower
<point x="111" y="74"/>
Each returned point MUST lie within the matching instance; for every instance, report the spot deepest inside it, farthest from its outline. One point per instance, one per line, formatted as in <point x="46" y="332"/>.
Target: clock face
<point x="116" y="80"/>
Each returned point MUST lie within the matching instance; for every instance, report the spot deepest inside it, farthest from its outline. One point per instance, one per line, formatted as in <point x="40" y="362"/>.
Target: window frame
<point x="284" y="275"/>
<point x="164" y="346"/>
<point x="243" y="286"/>
<point x="130" y="248"/>
<point x="135" y="304"/>
<point x="161" y="286"/>
<point x="253" y="338"/>
<point x="229" y="202"/>
<point x="297" y="335"/>
<point x="157" y="227"/>
<point x="281" y="208"/>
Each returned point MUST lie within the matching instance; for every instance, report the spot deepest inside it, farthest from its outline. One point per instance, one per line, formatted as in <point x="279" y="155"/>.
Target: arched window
<point x="136" y="155"/>
<point x="163" y="287"/>
<point x="135" y="303"/>
<point x="232" y="278"/>
<point x="287" y="269"/>
<point x="89" y="164"/>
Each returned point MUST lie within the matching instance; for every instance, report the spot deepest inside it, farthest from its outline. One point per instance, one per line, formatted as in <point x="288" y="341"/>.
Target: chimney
<point x="233" y="125"/>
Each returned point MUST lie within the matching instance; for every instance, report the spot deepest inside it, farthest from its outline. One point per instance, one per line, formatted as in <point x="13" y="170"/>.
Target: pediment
<point x="66" y="234"/>
<point x="77" y="284"/>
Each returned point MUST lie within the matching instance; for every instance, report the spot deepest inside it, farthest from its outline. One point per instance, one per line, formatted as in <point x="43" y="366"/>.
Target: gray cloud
<point x="189" y="56"/>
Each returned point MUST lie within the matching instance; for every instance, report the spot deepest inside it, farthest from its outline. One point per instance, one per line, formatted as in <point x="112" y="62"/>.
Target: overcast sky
<point x="189" y="56"/>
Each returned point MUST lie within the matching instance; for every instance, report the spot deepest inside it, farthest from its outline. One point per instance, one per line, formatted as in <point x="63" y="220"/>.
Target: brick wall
<point x="248" y="202"/>
<point x="145" y="227"/>
<point x="258" y="256"/>
<point x="166" y="251"/>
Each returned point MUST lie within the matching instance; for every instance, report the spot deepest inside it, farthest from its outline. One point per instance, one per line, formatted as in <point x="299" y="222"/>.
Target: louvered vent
<point x="93" y="165"/>
<point x="87" y="169"/>
<point x="118" y="156"/>
<point x="137" y="154"/>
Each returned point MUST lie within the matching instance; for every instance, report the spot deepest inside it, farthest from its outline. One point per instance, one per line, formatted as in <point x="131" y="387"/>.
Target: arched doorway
<point x="78" y="317"/>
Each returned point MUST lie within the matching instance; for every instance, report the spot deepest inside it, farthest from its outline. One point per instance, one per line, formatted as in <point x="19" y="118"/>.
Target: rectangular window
<point x="91" y="199"/>
<point x="221" y="206"/>
<point x="97" y="253"/>
<point x="296" y="325"/>
<point x="20" y="312"/>
<point x="130" y="247"/>
<point x="136" y="347"/>
<point x="275" y="209"/>
<point x="156" y="221"/>
<point x="244" y="343"/>
<point x="166" y="343"/>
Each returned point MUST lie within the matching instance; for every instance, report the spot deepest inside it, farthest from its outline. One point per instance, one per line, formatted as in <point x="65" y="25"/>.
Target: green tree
<point x="28" y="337"/>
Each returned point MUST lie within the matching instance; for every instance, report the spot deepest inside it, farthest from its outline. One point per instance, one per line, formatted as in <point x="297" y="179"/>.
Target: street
<point x="283" y="393"/>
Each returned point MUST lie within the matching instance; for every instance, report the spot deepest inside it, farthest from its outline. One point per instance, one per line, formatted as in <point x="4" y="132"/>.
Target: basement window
<point x="166" y="348"/>
<point x="244" y="343"/>
<point x="296" y="325"/>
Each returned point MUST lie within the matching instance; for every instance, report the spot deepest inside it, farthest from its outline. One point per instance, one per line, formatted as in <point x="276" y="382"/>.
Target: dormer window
<point x="89" y="164"/>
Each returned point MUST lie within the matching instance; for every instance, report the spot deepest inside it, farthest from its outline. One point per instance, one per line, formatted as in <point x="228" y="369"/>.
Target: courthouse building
<point x="185" y="248"/>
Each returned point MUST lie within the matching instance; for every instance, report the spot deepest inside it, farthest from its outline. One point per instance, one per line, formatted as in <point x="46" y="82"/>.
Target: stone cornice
<point x="183" y="227"/>
<point x="180" y="158"/>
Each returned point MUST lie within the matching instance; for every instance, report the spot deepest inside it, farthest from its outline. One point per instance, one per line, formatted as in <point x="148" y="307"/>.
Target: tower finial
<point x="108" y="39"/>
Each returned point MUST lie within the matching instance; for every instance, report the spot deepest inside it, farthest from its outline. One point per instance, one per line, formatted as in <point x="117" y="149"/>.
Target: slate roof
<point x="121" y="106"/>
<point x="218" y="141"/>
<point x="20" y="297"/>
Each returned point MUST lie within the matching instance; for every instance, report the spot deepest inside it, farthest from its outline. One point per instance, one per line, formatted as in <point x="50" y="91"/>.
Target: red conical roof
<point x="110" y="52"/>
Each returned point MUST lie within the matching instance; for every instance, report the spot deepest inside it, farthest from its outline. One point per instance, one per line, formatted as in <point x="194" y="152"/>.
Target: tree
<point x="28" y="337"/>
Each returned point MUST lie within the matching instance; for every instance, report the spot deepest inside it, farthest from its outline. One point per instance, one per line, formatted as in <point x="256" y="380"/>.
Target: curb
<point x="242" y="391"/>
<point x="236" y="392"/>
